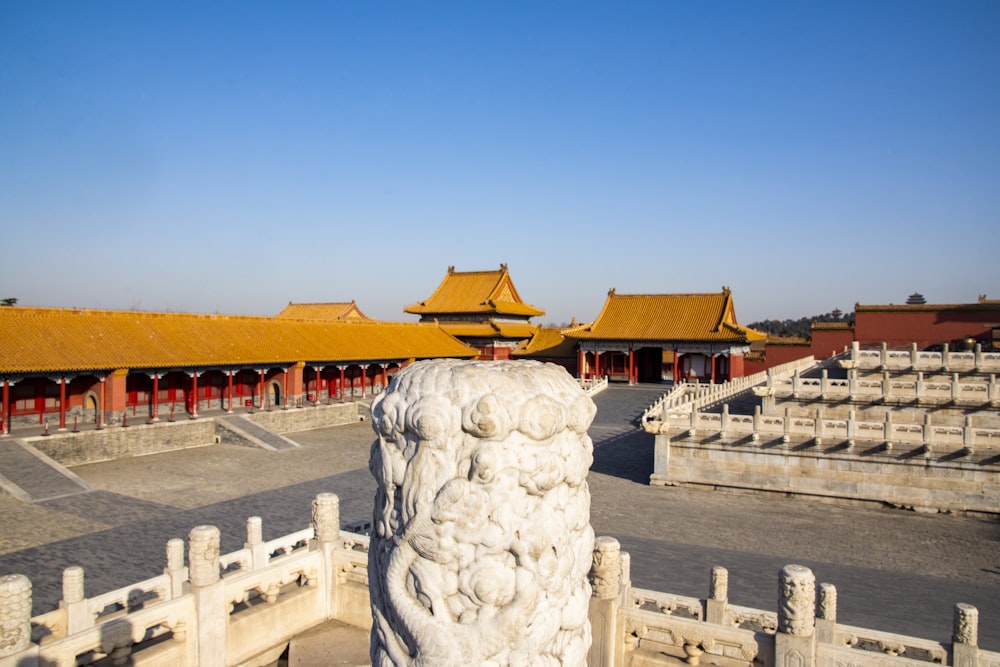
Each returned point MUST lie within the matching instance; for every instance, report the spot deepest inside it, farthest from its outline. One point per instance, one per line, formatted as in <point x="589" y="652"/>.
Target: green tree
<point x="9" y="301"/>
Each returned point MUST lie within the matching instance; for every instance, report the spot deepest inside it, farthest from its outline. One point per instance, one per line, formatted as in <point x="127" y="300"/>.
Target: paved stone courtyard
<point x="894" y="570"/>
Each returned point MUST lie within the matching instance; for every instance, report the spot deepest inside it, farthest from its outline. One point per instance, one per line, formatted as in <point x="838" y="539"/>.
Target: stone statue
<point x="481" y="539"/>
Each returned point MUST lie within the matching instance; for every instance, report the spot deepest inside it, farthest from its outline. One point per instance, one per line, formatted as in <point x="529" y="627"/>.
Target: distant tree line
<point x="800" y="328"/>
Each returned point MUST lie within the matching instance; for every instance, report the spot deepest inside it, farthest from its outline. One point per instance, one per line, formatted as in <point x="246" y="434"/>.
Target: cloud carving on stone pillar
<point x="481" y="539"/>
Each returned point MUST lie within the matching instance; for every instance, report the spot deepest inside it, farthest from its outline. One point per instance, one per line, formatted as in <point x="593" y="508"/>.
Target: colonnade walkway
<point x="894" y="570"/>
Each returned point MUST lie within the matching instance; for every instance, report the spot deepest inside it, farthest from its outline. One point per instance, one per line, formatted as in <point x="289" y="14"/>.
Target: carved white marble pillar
<point x="794" y="641"/>
<point x="15" y="614"/>
<point x="482" y="539"/>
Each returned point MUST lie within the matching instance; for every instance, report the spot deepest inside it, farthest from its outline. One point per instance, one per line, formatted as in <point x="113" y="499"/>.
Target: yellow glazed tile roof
<point x="489" y="329"/>
<point x="668" y="317"/>
<point x="547" y="343"/>
<point x="37" y="340"/>
<point x="474" y="292"/>
<point x="346" y="310"/>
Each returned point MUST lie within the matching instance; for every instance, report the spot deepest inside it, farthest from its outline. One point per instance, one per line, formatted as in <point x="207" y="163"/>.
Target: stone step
<point x="31" y="476"/>
<point x="330" y="644"/>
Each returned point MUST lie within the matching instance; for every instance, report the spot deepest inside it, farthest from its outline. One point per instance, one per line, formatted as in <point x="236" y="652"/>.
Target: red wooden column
<point x="154" y="405"/>
<point x="104" y="400"/>
<point x="677" y="367"/>
<point x="319" y="386"/>
<point x="194" y="395"/>
<point x="284" y="385"/>
<point x="597" y="365"/>
<point x="384" y="376"/>
<point x="229" y="404"/>
<point x="712" y="362"/>
<point x="5" y="408"/>
<point x="260" y="391"/>
<point x="62" y="402"/>
<point x="364" y="376"/>
<point x="631" y="366"/>
<point x="342" y="384"/>
<point x="581" y="364"/>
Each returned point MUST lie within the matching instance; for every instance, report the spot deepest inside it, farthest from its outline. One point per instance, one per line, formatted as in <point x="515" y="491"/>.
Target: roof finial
<point x="611" y="292"/>
<point x="503" y="266"/>
<point x="451" y="270"/>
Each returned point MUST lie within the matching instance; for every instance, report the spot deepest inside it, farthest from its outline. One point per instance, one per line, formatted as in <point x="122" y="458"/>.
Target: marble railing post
<point x="481" y="542"/>
<point x="920" y="386"/>
<point x="826" y="614"/>
<point x="796" y="384"/>
<point x="175" y="568"/>
<point x="978" y="351"/>
<point x="884" y="356"/>
<point x="787" y="425"/>
<point x="74" y="601"/>
<point x="852" y="383"/>
<point x="606" y="612"/>
<point x="968" y="434"/>
<point x="724" y="422"/>
<point x="945" y="357"/>
<point x="795" y="639"/>
<point x="965" y="636"/>
<point x="852" y="427"/>
<point x="209" y="595"/>
<point x="718" y="596"/>
<point x="824" y="387"/>
<point x="818" y="426"/>
<point x="956" y="389"/>
<point x="326" y="530"/>
<point x="855" y="349"/>
<point x="994" y="393"/>
<point x="886" y="385"/>
<point x="756" y="423"/>
<point x="255" y="543"/>
<point x="913" y="355"/>
<point x="15" y="619"/>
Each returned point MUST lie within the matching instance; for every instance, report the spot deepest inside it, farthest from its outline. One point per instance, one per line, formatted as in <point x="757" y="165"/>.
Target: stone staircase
<point x="31" y="476"/>
<point x="253" y="435"/>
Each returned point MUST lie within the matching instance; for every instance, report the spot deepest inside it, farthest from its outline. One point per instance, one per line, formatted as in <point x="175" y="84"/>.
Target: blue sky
<point x="234" y="156"/>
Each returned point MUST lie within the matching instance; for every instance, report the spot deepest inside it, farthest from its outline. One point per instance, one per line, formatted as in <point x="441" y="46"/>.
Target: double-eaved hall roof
<point x="50" y="339"/>
<point x="474" y="293"/>
<point x="668" y="317"/>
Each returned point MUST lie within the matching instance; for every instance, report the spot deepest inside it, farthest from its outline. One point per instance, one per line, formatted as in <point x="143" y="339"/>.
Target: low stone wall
<point x="311" y="417"/>
<point x="107" y="444"/>
<point x="119" y="442"/>
<point x="910" y="477"/>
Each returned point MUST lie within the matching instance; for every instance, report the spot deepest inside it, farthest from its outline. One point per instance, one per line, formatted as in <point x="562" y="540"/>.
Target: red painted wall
<point x="925" y="328"/>
<point x="828" y="342"/>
